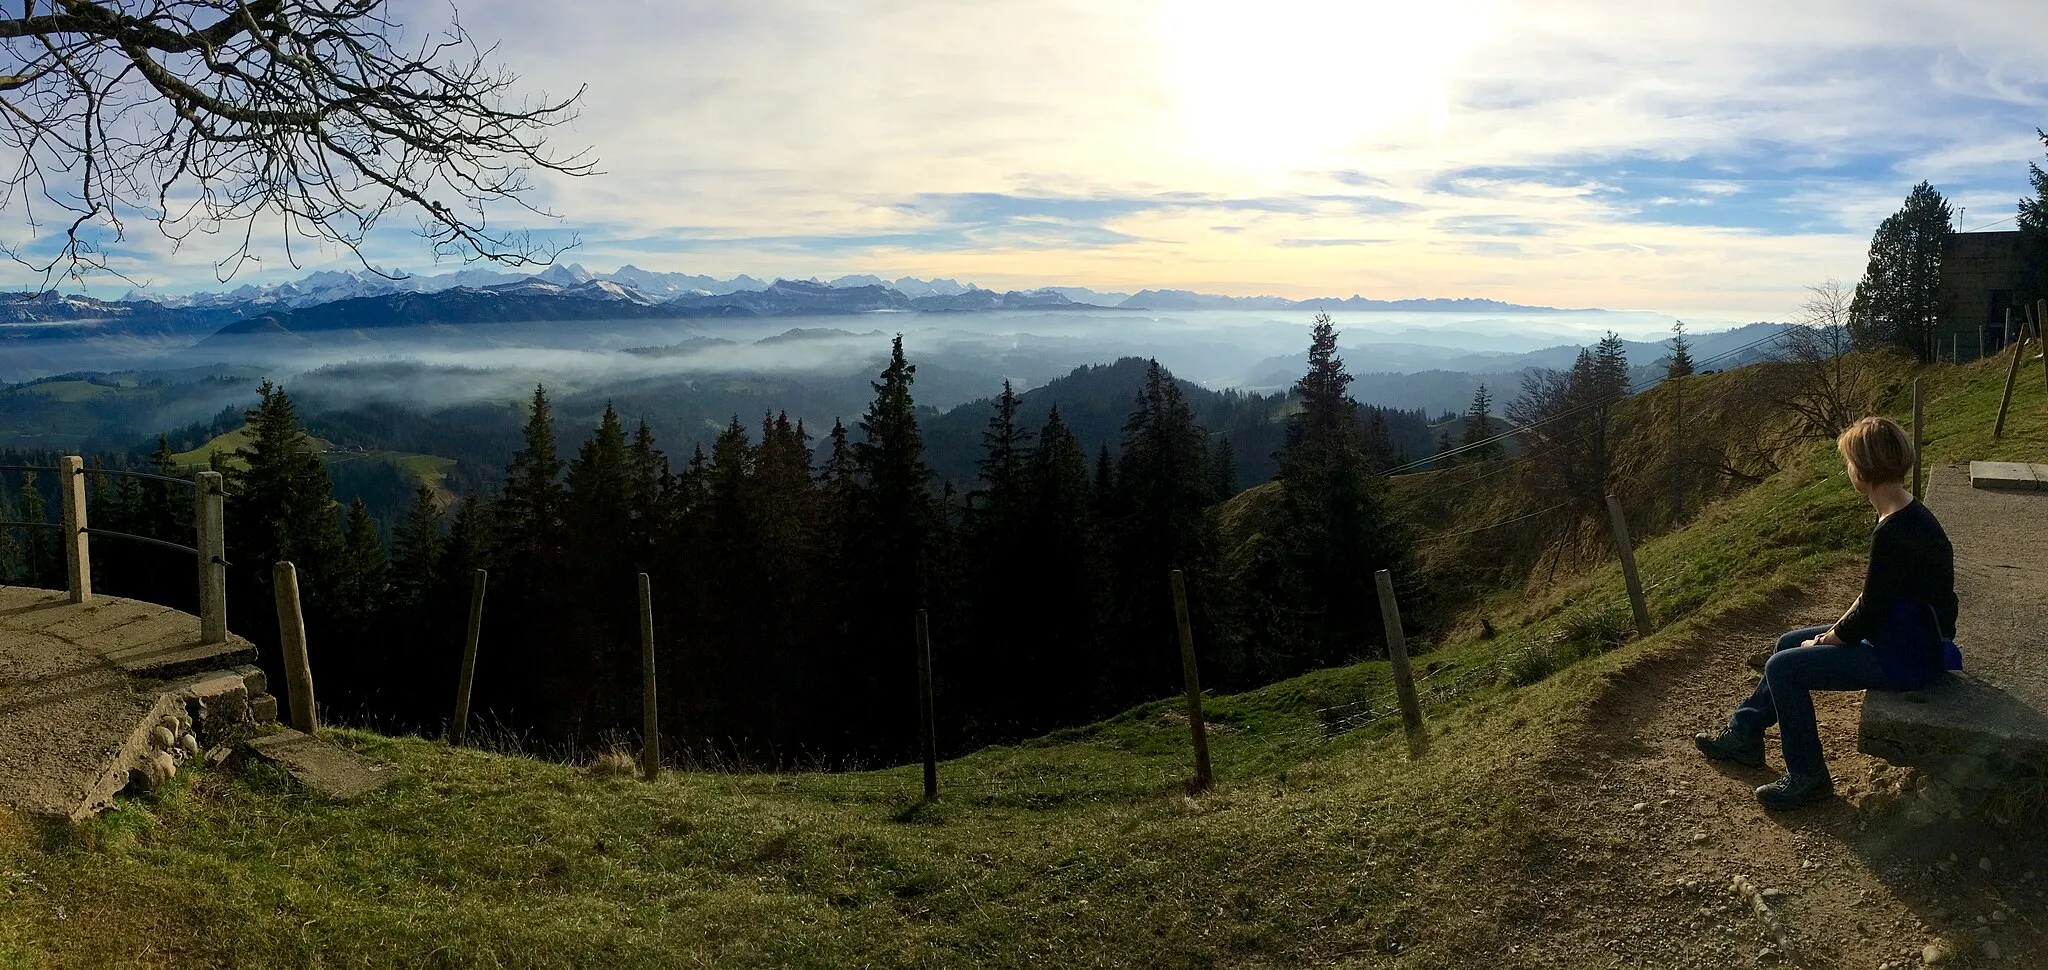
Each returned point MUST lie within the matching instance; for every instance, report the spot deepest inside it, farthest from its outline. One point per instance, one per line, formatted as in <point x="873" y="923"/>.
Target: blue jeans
<point x="1782" y="696"/>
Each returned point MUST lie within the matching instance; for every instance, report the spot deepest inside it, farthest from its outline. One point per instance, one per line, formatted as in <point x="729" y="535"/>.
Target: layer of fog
<point x="443" y="365"/>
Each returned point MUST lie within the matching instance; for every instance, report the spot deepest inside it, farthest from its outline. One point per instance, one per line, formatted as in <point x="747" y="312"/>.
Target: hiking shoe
<point x="1794" y="791"/>
<point x="1743" y="749"/>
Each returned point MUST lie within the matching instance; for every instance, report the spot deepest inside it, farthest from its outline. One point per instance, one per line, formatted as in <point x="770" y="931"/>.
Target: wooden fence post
<point x="1918" y="414"/>
<point x="213" y="558"/>
<point x="1625" y="546"/>
<point x="460" y="730"/>
<point x="926" y="712"/>
<point x="2012" y="374"/>
<point x="1197" y="724"/>
<point x="1404" y="678"/>
<point x="291" y="627"/>
<point x="650" y="727"/>
<point x="77" y="554"/>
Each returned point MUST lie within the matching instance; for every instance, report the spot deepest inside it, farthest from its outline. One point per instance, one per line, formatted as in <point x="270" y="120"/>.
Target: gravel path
<point x="1665" y="859"/>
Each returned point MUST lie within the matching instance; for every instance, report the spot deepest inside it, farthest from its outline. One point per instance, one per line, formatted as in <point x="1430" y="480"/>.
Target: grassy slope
<point x="1078" y="850"/>
<point x="426" y="468"/>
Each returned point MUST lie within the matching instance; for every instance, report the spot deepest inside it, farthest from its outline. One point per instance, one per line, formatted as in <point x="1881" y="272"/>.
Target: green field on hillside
<point x="69" y="392"/>
<point x="1321" y="844"/>
<point x="424" y="468"/>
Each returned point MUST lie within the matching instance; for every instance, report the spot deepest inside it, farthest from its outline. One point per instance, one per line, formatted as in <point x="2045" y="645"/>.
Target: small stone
<point x="161" y="738"/>
<point x="1641" y="807"/>
<point x="1984" y="864"/>
<point x="1998" y="916"/>
<point x="148" y="776"/>
<point x="1990" y="949"/>
<point x="1934" y="954"/>
<point x="1699" y="837"/>
<point x="157" y="769"/>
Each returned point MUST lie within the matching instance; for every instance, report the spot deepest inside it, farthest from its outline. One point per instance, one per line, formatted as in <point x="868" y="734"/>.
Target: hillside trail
<point x="1648" y="839"/>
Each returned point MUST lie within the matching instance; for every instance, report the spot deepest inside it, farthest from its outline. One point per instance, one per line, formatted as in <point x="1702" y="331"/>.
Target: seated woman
<point x="1891" y="638"/>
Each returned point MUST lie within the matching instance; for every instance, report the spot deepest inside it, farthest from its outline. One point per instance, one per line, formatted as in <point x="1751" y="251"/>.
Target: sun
<point x="1279" y="85"/>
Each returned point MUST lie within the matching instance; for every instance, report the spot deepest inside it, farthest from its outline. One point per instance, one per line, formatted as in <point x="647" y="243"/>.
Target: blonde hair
<point x="1878" y="451"/>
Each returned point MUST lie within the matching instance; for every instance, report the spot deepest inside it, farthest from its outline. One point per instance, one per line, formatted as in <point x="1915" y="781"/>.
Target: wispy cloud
<point x="1667" y="154"/>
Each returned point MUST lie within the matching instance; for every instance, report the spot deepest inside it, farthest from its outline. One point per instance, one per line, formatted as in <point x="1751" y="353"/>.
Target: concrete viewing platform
<point x="88" y="691"/>
<point x="1991" y="720"/>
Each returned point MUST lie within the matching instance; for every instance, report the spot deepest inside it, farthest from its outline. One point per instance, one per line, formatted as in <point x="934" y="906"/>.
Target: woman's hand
<point x="1827" y="639"/>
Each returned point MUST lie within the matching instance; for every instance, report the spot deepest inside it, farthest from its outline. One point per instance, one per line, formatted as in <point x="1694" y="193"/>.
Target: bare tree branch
<point x="208" y="116"/>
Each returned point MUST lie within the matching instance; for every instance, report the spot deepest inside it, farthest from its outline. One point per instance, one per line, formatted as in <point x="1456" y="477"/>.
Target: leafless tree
<point x="212" y="116"/>
<point x="1833" y="390"/>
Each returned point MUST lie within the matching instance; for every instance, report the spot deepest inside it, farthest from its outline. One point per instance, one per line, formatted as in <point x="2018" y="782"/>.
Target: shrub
<point x="616" y="761"/>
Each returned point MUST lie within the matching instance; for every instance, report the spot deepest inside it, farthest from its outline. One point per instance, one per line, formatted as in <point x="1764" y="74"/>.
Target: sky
<point x="1692" y="158"/>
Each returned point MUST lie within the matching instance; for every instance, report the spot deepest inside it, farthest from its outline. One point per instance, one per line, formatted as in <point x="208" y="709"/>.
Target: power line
<point x="1632" y="389"/>
<point x="1495" y="525"/>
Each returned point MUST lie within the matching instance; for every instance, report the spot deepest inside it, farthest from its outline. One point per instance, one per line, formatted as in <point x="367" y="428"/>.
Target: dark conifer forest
<point x="788" y="562"/>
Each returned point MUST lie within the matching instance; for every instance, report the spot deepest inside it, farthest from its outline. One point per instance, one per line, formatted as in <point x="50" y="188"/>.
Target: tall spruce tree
<point x="533" y="581"/>
<point x="1899" y="300"/>
<point x="2030" y="283"/>
<point x="530" y="514"/>
<point x="997" y="580"/>
<point x="1479" y="430"/>
<point x="1160" y="523"/>
<point x="1223" y="469"/>
<point x="1681" y="353"/>
<point x="895" y="483"/>
<point x="365" y="576"/>
<point x="284" y="509"/>
<point x="416" y="553"/>
<point x="1059" y="617"/>
<point x="893" y="523"/>
<point x="42" y="557"/>
<point x="1335" y="529"/>
<point x="1006" y="444"/>
<point x="596" y="674"/>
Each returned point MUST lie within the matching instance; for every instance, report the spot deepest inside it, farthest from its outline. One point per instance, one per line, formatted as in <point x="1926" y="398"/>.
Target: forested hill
<point x="1096" y="400"/>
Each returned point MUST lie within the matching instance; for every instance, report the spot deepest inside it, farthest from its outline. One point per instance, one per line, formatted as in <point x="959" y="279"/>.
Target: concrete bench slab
<point x="333" y="771"/>
<point x="2010" y="475"/>
<point x="1961" y="727"/>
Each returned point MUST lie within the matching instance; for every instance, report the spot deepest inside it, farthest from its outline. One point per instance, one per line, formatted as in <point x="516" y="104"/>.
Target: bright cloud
<point x="1661" y="154"/>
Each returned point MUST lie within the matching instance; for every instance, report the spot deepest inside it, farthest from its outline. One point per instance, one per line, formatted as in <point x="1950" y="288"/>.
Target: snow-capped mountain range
<point x="651" y="288"/>
<point x="629" y="283"/>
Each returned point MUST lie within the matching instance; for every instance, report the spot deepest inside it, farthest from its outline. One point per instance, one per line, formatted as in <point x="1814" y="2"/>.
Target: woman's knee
<point x="1790" y="639"/>
<point x="1784" y="664"/>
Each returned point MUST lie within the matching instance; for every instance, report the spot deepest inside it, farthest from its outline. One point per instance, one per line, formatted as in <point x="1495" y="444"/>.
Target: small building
<point x="1978" y="275"/>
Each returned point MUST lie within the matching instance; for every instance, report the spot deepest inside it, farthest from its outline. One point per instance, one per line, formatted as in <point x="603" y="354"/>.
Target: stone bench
<point x="1963" y="729"/>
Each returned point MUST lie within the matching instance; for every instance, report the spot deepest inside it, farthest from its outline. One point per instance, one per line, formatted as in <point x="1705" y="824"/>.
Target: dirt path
<point x="1652" y="839"/>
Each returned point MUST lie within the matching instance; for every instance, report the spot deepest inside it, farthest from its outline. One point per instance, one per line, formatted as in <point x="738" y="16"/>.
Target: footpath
<point x="1667" y="860"/>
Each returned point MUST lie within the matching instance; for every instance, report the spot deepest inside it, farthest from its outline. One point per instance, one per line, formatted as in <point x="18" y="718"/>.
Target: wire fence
<point x="1638" y="387"/>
